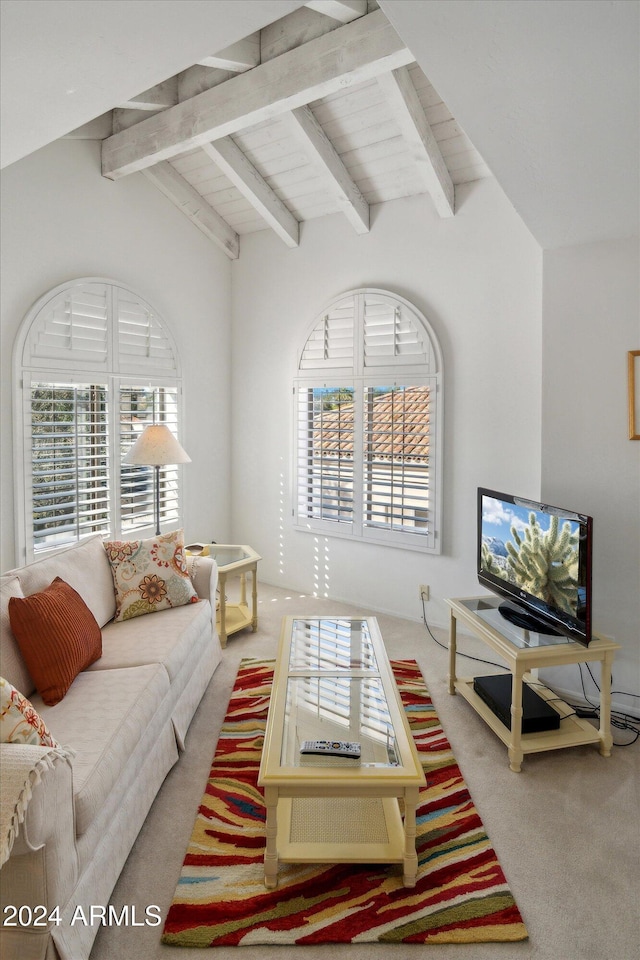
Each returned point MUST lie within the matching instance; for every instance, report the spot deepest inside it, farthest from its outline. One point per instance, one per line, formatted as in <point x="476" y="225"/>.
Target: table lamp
<point x="156" y="447"/>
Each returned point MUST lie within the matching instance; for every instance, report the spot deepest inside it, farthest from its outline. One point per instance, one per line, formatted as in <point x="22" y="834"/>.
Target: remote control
<point x="331" y="748"/>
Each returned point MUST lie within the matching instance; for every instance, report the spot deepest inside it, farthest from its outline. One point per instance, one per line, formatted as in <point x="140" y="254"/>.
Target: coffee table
<point x="333" y="681"/>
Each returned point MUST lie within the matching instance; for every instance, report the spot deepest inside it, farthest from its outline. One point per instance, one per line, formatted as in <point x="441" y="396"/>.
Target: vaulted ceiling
<point x="323" y="111"/>
<point x="262" y="115"/>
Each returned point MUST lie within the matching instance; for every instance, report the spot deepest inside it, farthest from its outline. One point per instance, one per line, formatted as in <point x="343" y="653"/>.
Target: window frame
<point x="115" y="371"/>
<point x="425" y="369"/>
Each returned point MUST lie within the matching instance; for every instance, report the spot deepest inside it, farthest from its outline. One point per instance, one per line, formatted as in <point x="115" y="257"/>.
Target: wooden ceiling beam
<point x="187" y="199"/>
<point x="323" y="155"/>
<point x="401" y="94"/>
<point x="241" y="172"/>
<point x="300" y="26"/>
<point x="196" y="79"/>
<point x="343" y="10"/>
<point x="240" y="56"/>
<point x="358" y="51"/>
<point x="160" y="97"/>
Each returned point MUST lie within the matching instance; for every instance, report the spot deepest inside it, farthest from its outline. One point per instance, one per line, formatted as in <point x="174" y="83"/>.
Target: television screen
<point x="539" y="557"/>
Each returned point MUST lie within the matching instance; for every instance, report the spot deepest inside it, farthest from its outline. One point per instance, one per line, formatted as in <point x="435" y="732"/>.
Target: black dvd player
<point x="537" y="714"/>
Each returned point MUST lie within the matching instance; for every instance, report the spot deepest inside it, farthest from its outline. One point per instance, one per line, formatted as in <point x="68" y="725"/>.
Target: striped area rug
<point x="461" y="894"/>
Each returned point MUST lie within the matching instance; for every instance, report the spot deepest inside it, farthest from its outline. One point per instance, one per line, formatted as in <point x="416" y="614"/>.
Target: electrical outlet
<point x="423" y="591"/>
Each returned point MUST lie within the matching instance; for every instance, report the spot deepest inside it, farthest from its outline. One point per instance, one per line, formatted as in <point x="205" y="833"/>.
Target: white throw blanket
<point x="18" y="776"/>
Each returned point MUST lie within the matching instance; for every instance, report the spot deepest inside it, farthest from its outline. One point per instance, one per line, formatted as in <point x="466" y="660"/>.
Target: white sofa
<point x="122" y="724"/>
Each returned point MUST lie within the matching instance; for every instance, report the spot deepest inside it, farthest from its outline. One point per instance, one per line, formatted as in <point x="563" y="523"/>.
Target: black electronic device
<point x="537" y="714"/>
<point x="539" y="558"/>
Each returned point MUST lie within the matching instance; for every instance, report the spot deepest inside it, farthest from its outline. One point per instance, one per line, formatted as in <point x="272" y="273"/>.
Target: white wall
<point x="477" y="278"/>
<point x="591" y="319"/>
<point x="62" y="220"/>
<point x="538" y="408"/>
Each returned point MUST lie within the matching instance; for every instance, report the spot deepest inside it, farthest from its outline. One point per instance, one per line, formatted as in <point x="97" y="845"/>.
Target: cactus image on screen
<point x="538" y="558"/>
<point x="542" y="562"/>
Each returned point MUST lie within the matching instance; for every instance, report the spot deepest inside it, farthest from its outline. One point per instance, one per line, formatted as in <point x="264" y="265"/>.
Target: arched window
<point x="93" y="365"/>
<point x="368" y="423"/>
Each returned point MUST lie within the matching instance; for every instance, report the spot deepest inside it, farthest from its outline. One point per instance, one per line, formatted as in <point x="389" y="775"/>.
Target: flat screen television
<point x="538" y="558"/>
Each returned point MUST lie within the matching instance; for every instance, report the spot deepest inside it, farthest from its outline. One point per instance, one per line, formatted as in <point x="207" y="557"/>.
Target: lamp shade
<point x="156" y="446"/>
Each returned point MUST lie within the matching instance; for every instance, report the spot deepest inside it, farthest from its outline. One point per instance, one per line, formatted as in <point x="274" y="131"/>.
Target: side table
<point x="525" y="652"/>
<point x="236" y="560"/>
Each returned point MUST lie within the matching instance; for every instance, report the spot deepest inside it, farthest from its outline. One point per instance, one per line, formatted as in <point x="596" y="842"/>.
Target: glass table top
<point x="334" y="707"/>
<point x="488" y="609"/>
<point x="331" y="644"/>
<point x="228" y="554"/>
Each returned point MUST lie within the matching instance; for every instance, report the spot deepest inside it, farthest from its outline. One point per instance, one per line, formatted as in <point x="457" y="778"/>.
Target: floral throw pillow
<point x="19" y="721"/>
<point x="150" y="575"/>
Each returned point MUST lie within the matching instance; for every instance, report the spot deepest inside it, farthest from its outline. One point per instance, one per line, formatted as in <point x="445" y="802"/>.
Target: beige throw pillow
<point x="150" y="575"/>
<point x="12" y="665"/>
<point x="19" y="721"/>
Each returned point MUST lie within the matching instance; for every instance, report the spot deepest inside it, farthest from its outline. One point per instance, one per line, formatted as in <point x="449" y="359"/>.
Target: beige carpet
<point x="566" y="830"/>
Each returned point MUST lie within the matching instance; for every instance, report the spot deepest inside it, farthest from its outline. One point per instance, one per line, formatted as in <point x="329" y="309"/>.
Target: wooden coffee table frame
<point x="287" y="789"/>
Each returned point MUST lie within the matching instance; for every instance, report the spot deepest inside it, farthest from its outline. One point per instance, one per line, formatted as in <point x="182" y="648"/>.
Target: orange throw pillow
<point x="58" y="637"/>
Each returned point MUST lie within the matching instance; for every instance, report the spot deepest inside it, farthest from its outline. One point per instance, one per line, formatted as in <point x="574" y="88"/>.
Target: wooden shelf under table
<point x="237" y="617"/>
<point x="573" y="732"/>
<point x="321" y="830"/>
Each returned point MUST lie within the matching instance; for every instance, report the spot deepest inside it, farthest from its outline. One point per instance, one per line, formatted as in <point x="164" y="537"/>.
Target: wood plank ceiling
<point x="324" y="111"/>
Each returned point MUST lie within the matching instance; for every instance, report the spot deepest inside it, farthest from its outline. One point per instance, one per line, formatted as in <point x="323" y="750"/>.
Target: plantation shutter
<point x="391" y="334"/>
<point x="330" y="343"/>
<point x="325" y="453"/>
<point x="95" y="364"/>
<point x="140" y="406"/>
<point x="73" y="328"/>
<point x="369" y="423"/>
<point x="143" y="344"/>
<point x="396" y="459"/>
<point x="69" y="456"/>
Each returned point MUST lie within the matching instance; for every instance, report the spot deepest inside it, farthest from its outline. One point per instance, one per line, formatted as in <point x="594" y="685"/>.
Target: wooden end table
<point x="523" y="654"/>
<point x="236" y="560"/>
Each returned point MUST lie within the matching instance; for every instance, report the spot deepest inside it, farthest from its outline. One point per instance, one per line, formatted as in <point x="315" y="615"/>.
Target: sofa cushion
<point x="84" y="566"/>
<point x="102" y="718"/>
<point x="58" y="637"/>
<point x="12" y="665"/>
<point x="19" y="720"/>
<point x="167" y="639"/>
<point x="149" y="575"/>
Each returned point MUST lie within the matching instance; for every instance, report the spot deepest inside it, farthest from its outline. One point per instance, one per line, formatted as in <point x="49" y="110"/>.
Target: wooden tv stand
<point x="523" y="652"/>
